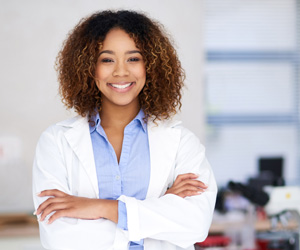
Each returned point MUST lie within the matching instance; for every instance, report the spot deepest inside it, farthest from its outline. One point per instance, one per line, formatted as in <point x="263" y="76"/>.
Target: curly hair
<point x="76" y="64"/>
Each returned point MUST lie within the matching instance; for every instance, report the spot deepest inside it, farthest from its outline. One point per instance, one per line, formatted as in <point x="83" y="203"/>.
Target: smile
<point x="121" y="86"/>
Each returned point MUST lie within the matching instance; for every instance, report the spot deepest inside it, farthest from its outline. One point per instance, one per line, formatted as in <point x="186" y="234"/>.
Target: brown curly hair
<point x="76" y="64"/>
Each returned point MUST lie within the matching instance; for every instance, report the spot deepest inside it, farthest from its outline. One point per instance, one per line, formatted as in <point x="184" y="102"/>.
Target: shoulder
<point x="67" y="124"/>
<point x="72" y="122"/>
<point x="186" y="137"/>
<point x="172" y="125"/>
<point x="57" y="130"/>
<point x="159" y="125"/>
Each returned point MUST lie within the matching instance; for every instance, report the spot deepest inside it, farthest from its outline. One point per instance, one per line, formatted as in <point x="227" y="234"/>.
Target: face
<point x="120" y="70"/>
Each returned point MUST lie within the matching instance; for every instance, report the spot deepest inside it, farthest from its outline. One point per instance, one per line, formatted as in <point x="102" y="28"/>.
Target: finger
<point x="184" y="188"/>
<point x="46" y="203"/>
<point x="187" y="193"/>
<point x="55" y="207"/>
<point x="188" y="187"/>
<point x="195" y="183"/>
<point x="43" y="205"/>
<point x="180" y="186"/>
<point x="52" y="192"/>
<point x="187" y="176"/>
<point x="182" y="177"/>
<point x="59" y="214"/>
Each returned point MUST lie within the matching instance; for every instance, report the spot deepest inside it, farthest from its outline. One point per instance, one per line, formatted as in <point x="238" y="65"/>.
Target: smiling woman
<point x="122" y="174"/>
<point x="77" y="61"/>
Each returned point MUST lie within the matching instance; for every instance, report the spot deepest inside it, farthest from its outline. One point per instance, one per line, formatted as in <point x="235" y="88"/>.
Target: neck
<point x="118" y="116"/>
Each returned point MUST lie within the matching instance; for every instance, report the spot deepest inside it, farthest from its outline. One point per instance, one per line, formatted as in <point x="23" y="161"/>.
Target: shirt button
<point x="117" y="177"/>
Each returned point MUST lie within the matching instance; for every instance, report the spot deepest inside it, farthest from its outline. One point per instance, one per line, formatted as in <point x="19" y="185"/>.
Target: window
<point x="252" y="86"/>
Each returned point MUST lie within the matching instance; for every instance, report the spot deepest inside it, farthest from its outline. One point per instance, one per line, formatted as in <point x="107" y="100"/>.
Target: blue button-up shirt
<point x="131" y="175"/>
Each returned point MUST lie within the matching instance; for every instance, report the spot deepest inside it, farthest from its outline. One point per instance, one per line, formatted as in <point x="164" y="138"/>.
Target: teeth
<point x="119" y="86"/>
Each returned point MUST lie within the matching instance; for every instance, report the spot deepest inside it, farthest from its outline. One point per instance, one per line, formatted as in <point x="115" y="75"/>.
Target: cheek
<point x="98" y="81"/>
<point x="141" y="73"/>
<point x="98" y="72"/>
<point x="100" y="77"/>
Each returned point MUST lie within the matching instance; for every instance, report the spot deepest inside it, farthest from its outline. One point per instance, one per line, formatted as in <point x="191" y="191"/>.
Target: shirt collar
<point x="140" y="117"/>
<point x="96" y="120"/>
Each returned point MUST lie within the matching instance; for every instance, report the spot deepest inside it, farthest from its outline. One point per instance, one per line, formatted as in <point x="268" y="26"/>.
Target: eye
<point x="134" y="59"/>
<point x="106" y="60"/>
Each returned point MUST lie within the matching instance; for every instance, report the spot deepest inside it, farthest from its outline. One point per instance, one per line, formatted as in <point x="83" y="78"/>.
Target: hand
<point x="187" y="185"/>
<point x="64" y="205"/>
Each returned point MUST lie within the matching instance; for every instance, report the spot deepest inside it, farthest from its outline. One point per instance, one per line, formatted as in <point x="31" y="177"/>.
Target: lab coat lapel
<point x="163" y="143"/>
<point x="79" y="139"/>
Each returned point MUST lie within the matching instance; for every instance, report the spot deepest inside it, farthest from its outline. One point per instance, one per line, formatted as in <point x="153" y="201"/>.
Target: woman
<point x="122" y="174"/>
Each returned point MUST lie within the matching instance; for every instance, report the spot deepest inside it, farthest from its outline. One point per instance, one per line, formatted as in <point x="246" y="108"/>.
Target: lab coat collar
<point x="79" y="139"/>
<point x="163" y="145"/>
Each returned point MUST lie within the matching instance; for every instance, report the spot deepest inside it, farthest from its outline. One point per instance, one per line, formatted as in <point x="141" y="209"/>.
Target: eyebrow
<point x="127" y="52"/>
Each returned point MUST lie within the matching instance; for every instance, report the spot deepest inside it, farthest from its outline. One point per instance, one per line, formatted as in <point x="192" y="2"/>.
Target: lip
<point x="121" y="85"/>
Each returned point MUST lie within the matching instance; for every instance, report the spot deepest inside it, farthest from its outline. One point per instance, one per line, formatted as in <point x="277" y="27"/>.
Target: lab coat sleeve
<point x="50" y="172"/>
<point x="180" y="221"/>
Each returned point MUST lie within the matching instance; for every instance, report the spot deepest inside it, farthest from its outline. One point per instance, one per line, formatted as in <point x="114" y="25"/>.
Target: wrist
<point x="109" y="210"/>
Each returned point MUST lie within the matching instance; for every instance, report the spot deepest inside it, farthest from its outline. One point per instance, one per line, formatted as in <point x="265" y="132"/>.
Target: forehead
<point x="118" y="39"/>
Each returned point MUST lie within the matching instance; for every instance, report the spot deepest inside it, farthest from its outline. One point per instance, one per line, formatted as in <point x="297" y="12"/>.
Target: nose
<point x="120" y="69"/>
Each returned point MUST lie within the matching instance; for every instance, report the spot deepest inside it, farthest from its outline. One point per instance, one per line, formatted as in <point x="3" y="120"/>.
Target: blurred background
<point x="242" y="98"/>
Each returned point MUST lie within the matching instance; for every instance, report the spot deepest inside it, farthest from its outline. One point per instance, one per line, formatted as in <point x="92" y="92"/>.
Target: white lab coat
<point x="64" y="160"/>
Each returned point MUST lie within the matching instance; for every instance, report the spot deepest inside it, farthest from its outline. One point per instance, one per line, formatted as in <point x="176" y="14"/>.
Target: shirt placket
<point x="125" y="154"/>
<point x="116" y="174"/>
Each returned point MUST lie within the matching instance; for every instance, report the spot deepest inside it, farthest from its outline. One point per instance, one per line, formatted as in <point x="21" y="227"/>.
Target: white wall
<point x="31" y="33"/>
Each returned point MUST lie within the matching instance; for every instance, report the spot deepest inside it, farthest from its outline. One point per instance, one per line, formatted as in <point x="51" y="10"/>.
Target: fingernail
<point x="34" y="213"/>
<point x="38" y="194"/>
